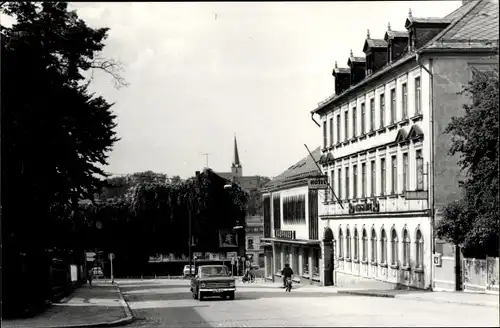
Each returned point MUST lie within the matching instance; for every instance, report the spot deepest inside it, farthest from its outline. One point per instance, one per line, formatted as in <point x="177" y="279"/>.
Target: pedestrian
<point x="90" y="278"/>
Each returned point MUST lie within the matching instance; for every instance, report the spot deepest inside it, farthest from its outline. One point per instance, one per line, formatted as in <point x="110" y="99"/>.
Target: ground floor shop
<point x="391" y="249"/>
<point x="304" y="258"/>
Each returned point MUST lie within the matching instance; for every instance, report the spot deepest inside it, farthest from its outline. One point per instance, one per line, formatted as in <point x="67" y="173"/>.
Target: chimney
<point x="342" y="78"/>
<point x="357" y="67"/>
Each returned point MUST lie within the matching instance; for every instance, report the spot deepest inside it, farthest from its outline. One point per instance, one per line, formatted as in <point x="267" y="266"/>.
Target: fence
<point x="481" y="275"/>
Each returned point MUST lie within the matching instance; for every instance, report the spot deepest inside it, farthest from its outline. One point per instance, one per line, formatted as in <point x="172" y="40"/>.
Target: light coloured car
<point x="186" y="272"/>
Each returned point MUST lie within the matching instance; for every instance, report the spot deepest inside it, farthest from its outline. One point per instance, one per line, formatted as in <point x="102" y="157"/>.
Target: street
<point x="168" y="303"/>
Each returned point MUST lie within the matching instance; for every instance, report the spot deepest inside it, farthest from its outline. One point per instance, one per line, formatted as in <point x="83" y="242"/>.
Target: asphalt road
<point x="168" y="303"/>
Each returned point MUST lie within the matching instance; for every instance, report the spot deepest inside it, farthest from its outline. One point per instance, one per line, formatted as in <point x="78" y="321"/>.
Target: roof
<point x="481" y="23"/>
<point x="225" y="175"/>
<point x="395" y="34"/>
<point x="374" y="43"/>
<point x="306" y="167"/>
<point x="354" y="59"/>
<point x="341" y="70"/>
<point x="426" y="20"/>
<point x="462" y="24"/>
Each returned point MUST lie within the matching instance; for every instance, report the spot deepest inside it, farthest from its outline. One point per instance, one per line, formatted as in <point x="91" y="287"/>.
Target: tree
<point x="475" y="138"/>
<point x="56" y="134"/>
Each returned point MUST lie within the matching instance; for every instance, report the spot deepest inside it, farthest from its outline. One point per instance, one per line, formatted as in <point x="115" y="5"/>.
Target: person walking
<point x="90" y="276"/>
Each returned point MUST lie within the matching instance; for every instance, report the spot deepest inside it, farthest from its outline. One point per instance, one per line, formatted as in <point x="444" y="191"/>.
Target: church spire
<point x="236" y="156"/>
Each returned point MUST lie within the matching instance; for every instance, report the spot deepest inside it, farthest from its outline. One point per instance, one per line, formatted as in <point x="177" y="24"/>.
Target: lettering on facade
<point x="318" y="183"/>
<point x="365" y="207"/>
<point x="284" y="234"/>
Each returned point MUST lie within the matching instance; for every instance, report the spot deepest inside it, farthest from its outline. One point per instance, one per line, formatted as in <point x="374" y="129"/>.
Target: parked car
<point x="186" y="272"/>
<point x="213" y="280"/>
<point x="97" y="272"/>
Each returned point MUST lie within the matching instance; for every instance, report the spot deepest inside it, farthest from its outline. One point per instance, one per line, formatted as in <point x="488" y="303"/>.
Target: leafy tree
<point x="56" y="134"/>
<point x="475" y="138"/>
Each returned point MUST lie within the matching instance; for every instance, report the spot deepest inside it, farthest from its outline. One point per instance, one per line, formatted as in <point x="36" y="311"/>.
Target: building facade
<point x="385" y="149"/>
<point x="291" y="223"/>
<point x="254" y="231"/>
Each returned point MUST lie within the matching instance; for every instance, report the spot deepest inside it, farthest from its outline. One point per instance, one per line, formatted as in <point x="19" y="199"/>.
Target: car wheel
<point x="231" y="296"/>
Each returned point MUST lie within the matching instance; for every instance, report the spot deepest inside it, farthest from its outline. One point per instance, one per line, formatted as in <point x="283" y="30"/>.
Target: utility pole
<point x="190" y="222"/>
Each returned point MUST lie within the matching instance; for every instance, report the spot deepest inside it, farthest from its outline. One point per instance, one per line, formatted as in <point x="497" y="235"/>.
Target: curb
<point x="120" y="322"/>
<point x="362" y="293"/>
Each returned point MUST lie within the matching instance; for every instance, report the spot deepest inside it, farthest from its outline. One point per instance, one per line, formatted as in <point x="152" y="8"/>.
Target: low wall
<point x="481" y="275"/>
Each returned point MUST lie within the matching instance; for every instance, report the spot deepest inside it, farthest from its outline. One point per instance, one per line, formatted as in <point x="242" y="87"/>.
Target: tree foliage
<point x="154" y="220"/>
<point x="473" y="221"/>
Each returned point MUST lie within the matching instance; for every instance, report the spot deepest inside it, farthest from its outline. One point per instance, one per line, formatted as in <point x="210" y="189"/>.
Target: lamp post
<point x="190" y="221"/>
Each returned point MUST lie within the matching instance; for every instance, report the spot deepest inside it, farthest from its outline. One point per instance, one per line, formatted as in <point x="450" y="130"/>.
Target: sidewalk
<point x="374" y="290"/>
<point x="102" y="305"/>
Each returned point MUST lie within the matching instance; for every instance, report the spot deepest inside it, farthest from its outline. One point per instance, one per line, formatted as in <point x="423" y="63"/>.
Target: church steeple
<point x="236" y="168"/>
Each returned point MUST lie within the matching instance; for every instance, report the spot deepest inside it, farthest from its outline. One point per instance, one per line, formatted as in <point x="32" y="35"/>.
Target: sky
<point x="199" y="73"/>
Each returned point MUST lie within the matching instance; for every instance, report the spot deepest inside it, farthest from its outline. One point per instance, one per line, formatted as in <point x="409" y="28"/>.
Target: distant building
<point x="254" y="221"/>
<point x="291" y="224"/>
<point x="384" y="144"/>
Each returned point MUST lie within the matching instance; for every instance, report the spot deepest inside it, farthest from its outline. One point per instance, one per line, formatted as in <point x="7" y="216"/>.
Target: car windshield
<point x="186" y="267"/>
<point x="213" y="271"/>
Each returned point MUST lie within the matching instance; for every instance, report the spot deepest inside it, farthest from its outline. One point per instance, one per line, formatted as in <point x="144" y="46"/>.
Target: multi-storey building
<point x="385" y="149"/>
<point x="291" y="222"/>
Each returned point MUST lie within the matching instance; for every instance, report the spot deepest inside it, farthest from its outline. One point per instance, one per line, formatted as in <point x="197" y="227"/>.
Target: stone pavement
<point x="99" y="306"/>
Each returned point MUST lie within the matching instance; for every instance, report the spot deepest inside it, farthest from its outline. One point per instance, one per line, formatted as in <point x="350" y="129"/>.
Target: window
<point x="324" y="134"/>
<point x="382" y="176"/>
<point x="305" y="262"/>
<point x="347" y="194"/>
<point x="394" y="247"/>
<point x="356" y="245"/>
<point x="331" y="131"/>
<point x="363" y="180"/>
<point x="405" y="100"/>
<point x="332" y="183"/>
<point x="340" y="184"/>
<point x="374" y="181"/>
<point x="365" y="246"/>
<point x="374" y="246"/>
<point x="355" y="181"/>
<point x="383" y="247"/>
<point x="348" y="243"/>
<point x="341" y="244"/>
<point x="372" y="114"/>
<point x="382" y="110"/>
<point x="420" y="169"/>
<point x="250" y="243"/>
<point x="419" y="249"/>
<point x="393" y="106"/>
<point x="327" y="190"/>
<point x="316" y="258"/>
<point x="294" y="209"/>
<point x="363" y="123"/>
<point x="394" y="174"/>
<point x="406" y="248"/>
<point x="405" y="172"/>
<point x="418" y="96"/>
<point x="346" y="125"/>
<point x="354" y="122"/>
<point x="338" y="128"/>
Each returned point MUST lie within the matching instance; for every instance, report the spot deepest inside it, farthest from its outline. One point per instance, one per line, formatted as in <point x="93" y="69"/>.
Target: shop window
<point x="406" y="248"/>
<point x="348" y="244"/>
<point x="365" y="246"/>
<point x="315" y="260"/>
<point x="419" y="249"/>
<point x="305" y="262"/>
<point x="295" y="258"/>
<point x="383" y="247"/>
<point x="394" y="247"/>
<point x="356" y="244"/>
<point x="374" y="246"/>
<point x="340" y="244"/>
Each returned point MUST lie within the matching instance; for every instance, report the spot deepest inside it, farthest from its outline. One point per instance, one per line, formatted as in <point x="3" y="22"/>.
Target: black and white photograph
<point x="249" y="164"/>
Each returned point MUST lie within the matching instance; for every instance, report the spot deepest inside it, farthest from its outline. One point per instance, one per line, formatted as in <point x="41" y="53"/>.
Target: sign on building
<point x="228" y="238"/>
<point x="318" y="183"/>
